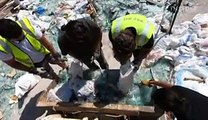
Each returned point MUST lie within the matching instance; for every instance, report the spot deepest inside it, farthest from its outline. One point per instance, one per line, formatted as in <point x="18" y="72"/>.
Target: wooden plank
<point x="120" y="109"/>
<point x="117" y="109"/>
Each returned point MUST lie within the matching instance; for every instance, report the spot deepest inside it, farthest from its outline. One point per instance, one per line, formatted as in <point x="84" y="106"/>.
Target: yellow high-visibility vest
<point x="17" y="53"/>
<point x="144" y="28"/>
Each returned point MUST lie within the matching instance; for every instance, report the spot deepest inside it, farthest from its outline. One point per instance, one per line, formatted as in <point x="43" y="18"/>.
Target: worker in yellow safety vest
<point x="131" y="34"/>
<point x="23" y="46"/>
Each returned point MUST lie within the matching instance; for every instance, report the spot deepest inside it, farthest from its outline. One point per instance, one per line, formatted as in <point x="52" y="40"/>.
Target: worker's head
<point x="10" y="30"/>
<point x="124" y="45"/>
<point x="76" y="29"/>
<point x="168" y="100"/>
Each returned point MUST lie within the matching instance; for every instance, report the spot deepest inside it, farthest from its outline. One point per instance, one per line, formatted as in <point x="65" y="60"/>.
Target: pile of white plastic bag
<point x="187" y="49"/>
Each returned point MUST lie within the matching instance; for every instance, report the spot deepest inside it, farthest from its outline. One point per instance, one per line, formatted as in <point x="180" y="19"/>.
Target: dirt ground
<point x="187" y="13"/>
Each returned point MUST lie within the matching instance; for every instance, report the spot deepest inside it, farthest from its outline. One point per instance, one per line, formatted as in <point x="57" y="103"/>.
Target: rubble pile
<point x="180" y="58"/>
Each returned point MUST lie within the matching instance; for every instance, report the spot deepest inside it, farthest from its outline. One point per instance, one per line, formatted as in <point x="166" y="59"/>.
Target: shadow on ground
<point x="31" y="112"/>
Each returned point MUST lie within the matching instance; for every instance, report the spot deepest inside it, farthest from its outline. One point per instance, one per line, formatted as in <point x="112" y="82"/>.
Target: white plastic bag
<point x="24" y="84"/>
<point x="62" y="93"/>
<point x="76" y="70"/>
<point x="82" y="88"/>
<point x="126" y="77"/>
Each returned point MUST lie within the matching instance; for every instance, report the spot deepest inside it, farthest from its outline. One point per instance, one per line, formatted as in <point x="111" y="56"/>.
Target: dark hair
<point x="75" y="28"/>
<point x="9" y="29"/>
<point x="168" y="99"/>
<point x="125" y="41"/>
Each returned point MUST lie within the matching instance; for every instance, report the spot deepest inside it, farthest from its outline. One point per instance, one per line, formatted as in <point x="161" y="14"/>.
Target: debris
<point x="12" y="73"/>
<point x="188" y="3"/>
<point x="179" y="48"/>
<point x="195" y="79"/>
<point x="40" y="10"/>
<point x="13" y="99"/>
<point x="154" y="56"/>
<point x="10" y="3"/>
<point x="57" y="117"/>
<point x="2" y="74"/>
<point x="152" y="2"/>
<point x="52" y="97"/>
<point x="201" y="19"/>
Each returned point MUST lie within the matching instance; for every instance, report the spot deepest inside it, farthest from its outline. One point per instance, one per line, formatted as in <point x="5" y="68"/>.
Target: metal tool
<point x="96" y="62"/>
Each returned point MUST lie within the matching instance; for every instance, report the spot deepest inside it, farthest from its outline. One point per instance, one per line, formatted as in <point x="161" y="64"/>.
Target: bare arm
<point x="160" y="83"/>
<point x="55" y="54"/>
<point x="43" y="40"/>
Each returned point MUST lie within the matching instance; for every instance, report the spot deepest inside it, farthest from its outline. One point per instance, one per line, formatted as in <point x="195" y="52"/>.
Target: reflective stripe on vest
<point x="18" y="54"/>
<point x="143" y="28"/>
<point x="2" y="49"/>
<point x="30" y="35"/>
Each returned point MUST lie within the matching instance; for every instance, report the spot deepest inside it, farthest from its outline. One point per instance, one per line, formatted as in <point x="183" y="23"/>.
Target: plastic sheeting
<point x="106" y="84"/>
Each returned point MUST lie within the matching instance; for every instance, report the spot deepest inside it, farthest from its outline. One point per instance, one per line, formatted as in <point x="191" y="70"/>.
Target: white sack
<point x="126" y="77"/>
<point x="24" y="84"/>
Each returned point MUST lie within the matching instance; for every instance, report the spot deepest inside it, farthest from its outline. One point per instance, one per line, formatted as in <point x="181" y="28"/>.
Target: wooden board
<point x="114" y="109"/>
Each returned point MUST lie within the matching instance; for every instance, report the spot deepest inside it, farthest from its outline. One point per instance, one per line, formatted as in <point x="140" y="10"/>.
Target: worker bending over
<point x="24" y="47"/>
<point x="131" y="34"/>
<point x="81" y="39"/>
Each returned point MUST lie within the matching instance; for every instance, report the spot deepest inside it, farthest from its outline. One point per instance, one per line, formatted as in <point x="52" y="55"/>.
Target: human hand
<point x="59" y="59"/>
<point x="57" y="56"/>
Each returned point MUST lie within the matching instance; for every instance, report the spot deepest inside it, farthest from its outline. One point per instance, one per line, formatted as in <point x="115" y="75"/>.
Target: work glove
<point x="57" y="56"/>
<point x="95" y="56"/>
<point x="33" y="71"/>
<point x="37" y="72"/>
<point x="146" y="83"/>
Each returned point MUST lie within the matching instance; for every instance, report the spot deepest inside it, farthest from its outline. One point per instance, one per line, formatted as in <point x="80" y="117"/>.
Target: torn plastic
<point x="62" y="93"/>
<point x="154" y="56"/>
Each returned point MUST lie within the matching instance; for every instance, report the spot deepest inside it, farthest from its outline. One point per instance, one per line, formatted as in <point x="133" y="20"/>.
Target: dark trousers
<point x="141" y="53"/>
<point x="101" y="60"/>
<point x="49" y="72"/>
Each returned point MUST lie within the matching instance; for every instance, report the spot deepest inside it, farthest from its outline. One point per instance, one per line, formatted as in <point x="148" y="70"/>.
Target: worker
<point x="131" y="34"/>
<point x="185" y="103"/>
<point x="23" y="46"/>
<point x="81" y="39"/>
